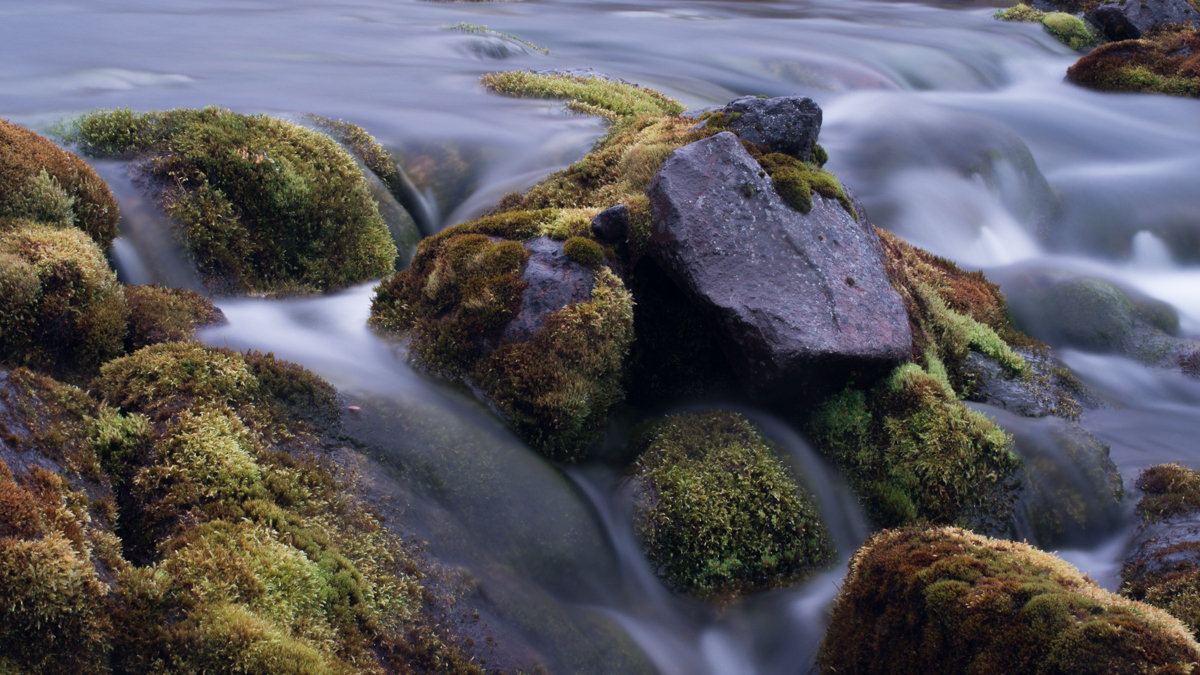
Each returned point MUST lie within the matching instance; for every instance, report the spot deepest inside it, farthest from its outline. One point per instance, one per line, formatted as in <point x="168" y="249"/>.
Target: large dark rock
<point x="611" y="224"/>
<point x="797" y="299"/>
<point x="554" y="281"/>
<point x="1129" y="19"/>
<point x="787" y="124"/>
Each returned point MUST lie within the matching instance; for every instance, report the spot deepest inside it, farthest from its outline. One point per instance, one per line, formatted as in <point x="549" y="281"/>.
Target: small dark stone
<point x="555" y="281"/>
<point x="787" y="124"/>
<point x="770" y="280"/>
<point x="1130" y="20"/>
<point x="1113" y="22"/>
<point x="612" y="224"/>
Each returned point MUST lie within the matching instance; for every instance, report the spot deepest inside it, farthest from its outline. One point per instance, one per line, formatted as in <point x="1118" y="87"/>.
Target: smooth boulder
<point x="797" y="299"/>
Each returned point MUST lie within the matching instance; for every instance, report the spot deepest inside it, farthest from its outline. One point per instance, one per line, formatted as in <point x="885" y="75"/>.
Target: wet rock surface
<point x="611" y="224"/>
<point x="554" y="281"/>
<point x="787" y="124"/>
<point x="797" y="299"/>
<point x="1129" y="19"/>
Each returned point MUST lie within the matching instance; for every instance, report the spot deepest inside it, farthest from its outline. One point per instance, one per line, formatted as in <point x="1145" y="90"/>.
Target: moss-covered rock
<point x="160" y="314"/>
<point x="41" y="183"/>
<point x="914" y="453"/>
<point x="1068" y="28"/>
<point x="1162" y="567"/>
<point x="464" y="290"/>
<point x="264" y="205"/>
<point x="719" y="513"/>
<point x="61" y="307"/>
<point x="1166" y="60"/>
<point x="950" y="601"/>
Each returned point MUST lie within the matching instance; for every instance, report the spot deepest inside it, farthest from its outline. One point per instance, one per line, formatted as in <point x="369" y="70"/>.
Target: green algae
<point x="719" y="514"/>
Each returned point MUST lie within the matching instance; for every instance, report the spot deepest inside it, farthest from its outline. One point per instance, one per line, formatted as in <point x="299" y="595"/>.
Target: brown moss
<point x="1168" y="490"/>
<point x="1165" y="61"/>
<point x="949" y="601"/>
<point x="160" y="314"/>
<point x="61" y="307"/>
<point x="719" y="514"/>
<point x="38" y="179"/>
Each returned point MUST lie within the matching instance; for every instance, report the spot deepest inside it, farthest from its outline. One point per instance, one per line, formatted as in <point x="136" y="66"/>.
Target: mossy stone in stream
<point x="463" y="290"/>
<point x="61" y="308"/>
<point x="1166" y="60"/>
<point x="160" y="314"/>
<point x="39" y="182"/>
<point x="264" y="205"/>
<point x="949" y="601"/>
<point x="1068" y="28"/>
<point x="719" y="513"/>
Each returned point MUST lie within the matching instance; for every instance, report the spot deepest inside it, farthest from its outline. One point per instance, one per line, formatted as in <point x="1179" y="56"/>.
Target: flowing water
<point x="958" y="132"/>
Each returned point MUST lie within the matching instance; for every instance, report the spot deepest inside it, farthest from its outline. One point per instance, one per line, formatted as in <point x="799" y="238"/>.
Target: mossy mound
<point x="159" y="314"/>
<point x="465" y="286"/>
<point x="243" y="547"/>
<point x="1165" y="61"/>
<point x="914" y="453"/>
<point x="61" y="308"/>
<point x="264" y="205"/>
<point x="719" y="513"/>
<point x="1068" y="28"/>
<point x="950" y="601"/>
<point x="586" y="95"/>
<point x="1164" y="570"/>
<point x="40" y="182"/>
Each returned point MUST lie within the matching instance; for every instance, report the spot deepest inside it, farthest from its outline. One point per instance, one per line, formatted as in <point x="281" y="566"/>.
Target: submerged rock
<point x="264" y="205"/>
<point x="719" y="514"/>
<point x="798" y="299"/>
<point x="950" y="601"/>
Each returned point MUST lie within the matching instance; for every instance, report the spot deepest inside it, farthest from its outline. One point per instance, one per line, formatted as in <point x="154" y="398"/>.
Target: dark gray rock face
<point x="1040" y="393"/>
<point x="555" y="281"/>
<point x="1129" y="19"/>
<point x="798" y="301"/>
<point x="611" y="224"/>
<point x="787" y="124"/>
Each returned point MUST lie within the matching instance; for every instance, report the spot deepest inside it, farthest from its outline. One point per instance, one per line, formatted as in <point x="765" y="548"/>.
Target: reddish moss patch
<point x="1165" y="61"/>
<point x="949" y="601"/>
<point x="41" y="182"/>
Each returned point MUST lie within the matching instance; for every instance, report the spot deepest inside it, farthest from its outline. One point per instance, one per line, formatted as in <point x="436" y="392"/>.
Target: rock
<point x="612" y="224"/>
<point x="1162" y="561"/>
<point x="1161" y="62"/>
<point x="797" y="299"/>
<point x="1129" y="19"/>
<point x="553" y="282"/>
<point x="718" y="512"/>
<point x="1044" y="388"/>
<point x="949" y="601"/>
<point x="787" y="124"/>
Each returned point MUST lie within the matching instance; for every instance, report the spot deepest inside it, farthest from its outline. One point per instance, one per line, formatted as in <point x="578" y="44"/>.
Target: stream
<point x="958" y="133"/>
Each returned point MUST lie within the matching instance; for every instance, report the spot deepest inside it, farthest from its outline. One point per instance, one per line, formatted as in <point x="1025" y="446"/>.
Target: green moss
<point x="160" y="314"/>
<point x="587" y="95"/>
<point x="583" y="251"/>
<point x="1020" y="13"/>
<point x="914" y="453"/>
<point x="42" y="183"/>
<point x="1069" y="29"/>
<point x="1165" y="61"/>
<point x="556" y="388"/>
<point x="719" y="514"/>
<point x="795" y="181"/>
<point x="61" y="308"/>
<point x="949" y="601"/>
<point x="477" y="29"/>
<point x="263" y="205"/>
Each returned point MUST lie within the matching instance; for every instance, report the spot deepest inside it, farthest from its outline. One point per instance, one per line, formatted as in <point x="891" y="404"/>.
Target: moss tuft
<point x="264" y="205"/>
<point x="159" y="314"/>
<point x="914" y="453"/>
<point x="61" y="307"/>
<point x="719" y="514"/>
<point x="1165" y="61"/>
<point x="1069" y="29"/>
<point x="1168" y="490"/>
<point x="950" y="601"/>
<point x="583" y="251"/>
<point x="795" y="181"/>
<point x="42" y="183"/>
<point x="587" y="95"/>
<point x="1020" y="12"/>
